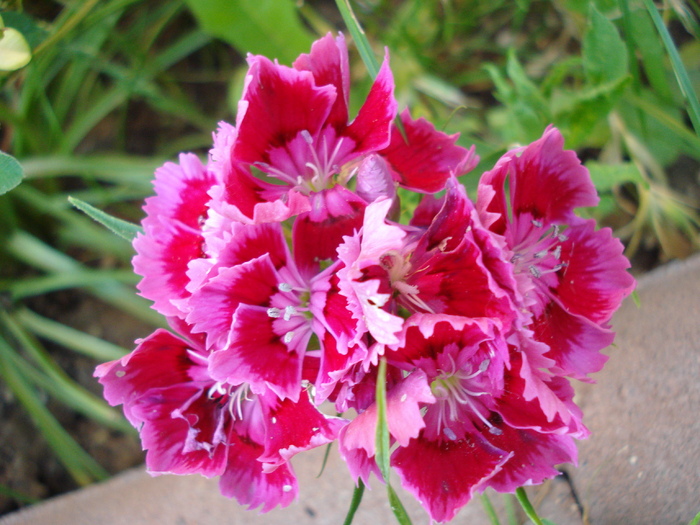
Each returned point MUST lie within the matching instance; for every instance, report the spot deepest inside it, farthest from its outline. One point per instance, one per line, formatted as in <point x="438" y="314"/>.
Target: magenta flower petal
<point x="328" y="62"/>
<point x="403" y="417"/>
<point x="275" y="107"/>
<point x="426" y="158"/>
<point x="172" y="232"/>
<point x="595" y="280"/>
<point x="534" y="456"/>
<point x="546" y="181"/>
<point x="161" y="385"/>
<point x="212" y="307"/>
<point x="257" y="355"/>
<point x="543" y="404"/>
<point x="371" y="128"/>
<point x="245" y="480"/>
<point x="294" y="427"/>
<point x="443" y="476"/>
<point x="574" y="342"/>
<point x="316" y="239"/>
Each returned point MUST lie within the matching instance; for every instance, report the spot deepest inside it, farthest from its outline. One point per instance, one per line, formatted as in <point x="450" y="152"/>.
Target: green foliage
<point x="10" y="172"/>
<point x="266" y="27"/>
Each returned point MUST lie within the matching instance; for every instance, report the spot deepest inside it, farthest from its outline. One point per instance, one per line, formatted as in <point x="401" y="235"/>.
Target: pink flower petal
<point x="443" y="476"/>
<point x="245" y="480"/>
<point x="172" y="232"/>
<point x="328" y="62"/>
<point x="278" y="102"/>
<point x="371" y="128"/>
<point x="426" y="158"/>
<point x="534" y="457"/>
<point x="256" y="355"/>
<point x="212" y="307"/>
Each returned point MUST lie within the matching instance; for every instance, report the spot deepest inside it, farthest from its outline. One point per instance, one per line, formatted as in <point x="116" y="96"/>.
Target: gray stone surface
<point x="641" y="466"/>
<point x="642" y="463"/>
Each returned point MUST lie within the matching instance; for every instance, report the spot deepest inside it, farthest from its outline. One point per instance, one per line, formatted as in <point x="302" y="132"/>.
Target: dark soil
<point x="29" y="470"/>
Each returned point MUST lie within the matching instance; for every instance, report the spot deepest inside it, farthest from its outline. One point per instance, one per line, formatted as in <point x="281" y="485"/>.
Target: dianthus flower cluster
<point x="286" y="277"/>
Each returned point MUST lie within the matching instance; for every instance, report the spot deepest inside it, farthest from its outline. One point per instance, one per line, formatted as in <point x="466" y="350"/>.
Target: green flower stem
<point x="355" y="502"/>
<point x="527" y="506"/>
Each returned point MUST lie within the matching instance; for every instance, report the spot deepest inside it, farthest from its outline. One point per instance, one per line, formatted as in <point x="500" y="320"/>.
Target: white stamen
<point x="557" y="252"/>
<point x="288" y="337"/>
<point x="495" y="431"/>
<point x="274" y="420"/>
<point x="289" y="311"/>
<point x="286" y="488"/>
<point x="307" y="136"/>
<point x="484" y="365"/>
<point x="284" y="287"/>
<point x="120" y="373"/>
<point x="540" y="254"/>
<point x="274" y="312"/>
<point x="535" y="271"/>
<point x="449" y="433"/>
<point x="536" y="223"/>
<point x="404" y="398"/>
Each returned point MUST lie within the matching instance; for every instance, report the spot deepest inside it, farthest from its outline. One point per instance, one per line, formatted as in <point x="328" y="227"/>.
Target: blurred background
<point x="94" y="95"/>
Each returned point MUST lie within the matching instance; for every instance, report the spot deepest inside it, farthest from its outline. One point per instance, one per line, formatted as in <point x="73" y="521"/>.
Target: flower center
<point x="455" y="391"/>
<point x="398" y="267"/>
<point x="311" y="164"/>
<point x="235" y="398"/>
<point x="290" y="311"/>
<point x="538" y="253"/>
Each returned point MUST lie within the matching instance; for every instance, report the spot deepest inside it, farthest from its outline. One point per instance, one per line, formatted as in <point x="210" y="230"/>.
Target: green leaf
<point x="124" y="229"/>
<point x="604" y="52"/>
<point x="606" y="176"/>
<point x="355" y="502"/>
<point x="266" y="27"/>
<point x="359" y="37"/>
<point x="577" y="113"/>
<point x="652" y="52"/>
<point x="10" y="172"/>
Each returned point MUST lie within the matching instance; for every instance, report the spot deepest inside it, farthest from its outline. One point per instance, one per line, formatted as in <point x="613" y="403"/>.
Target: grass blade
<point x="71" y="338"/>
<point x="81" y="466"/>
<point x="359" y="37"/>
<point x="124" y="229"/>
<point x="678" y="67"/>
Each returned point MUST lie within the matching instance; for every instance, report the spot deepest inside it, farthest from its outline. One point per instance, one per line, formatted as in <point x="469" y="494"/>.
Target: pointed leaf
<point x="124" y="229"/>
<point x="604" y="51"/>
